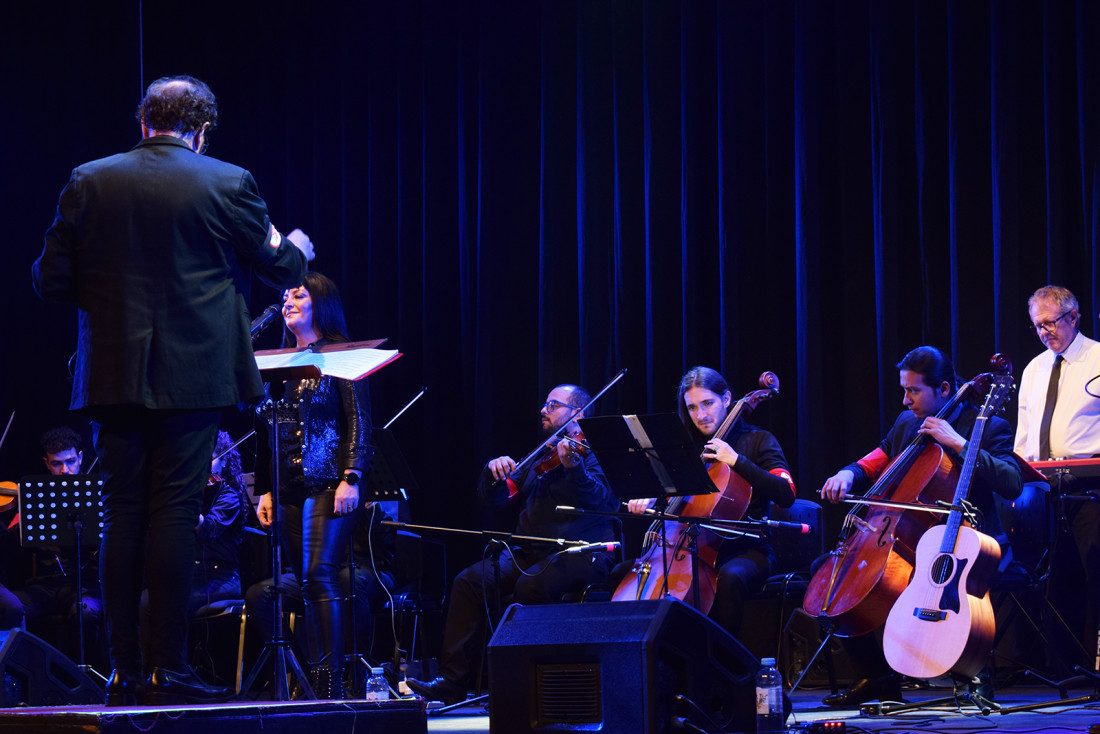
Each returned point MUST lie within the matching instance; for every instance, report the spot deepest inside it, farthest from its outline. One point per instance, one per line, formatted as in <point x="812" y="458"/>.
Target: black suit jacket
<point x="155" y="247"/>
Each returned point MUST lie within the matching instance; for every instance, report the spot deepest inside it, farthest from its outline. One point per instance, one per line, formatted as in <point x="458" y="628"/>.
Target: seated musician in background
<point x="536" y="574"/>
<point x="49" y="593"/>
<point x="218" y="535"/>
<point x="1059" y="418"/>
<point x="745" y="562"/>
<point x="928" y="382"/>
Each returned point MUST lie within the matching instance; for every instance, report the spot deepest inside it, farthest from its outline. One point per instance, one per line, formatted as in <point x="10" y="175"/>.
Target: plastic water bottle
<point x="769" y="698"/>
<point x="377" y="687"/>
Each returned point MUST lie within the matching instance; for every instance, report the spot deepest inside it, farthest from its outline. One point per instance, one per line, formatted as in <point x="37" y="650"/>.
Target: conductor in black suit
<point x="156" y="247"/>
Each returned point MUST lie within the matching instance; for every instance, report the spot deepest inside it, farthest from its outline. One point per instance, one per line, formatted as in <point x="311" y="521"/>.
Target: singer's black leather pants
<point x="317" y="546"/>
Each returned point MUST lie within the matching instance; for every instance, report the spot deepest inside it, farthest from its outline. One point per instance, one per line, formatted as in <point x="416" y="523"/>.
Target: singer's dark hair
<point x="179" y="104"/>
<point x="328" y="310"/>
<point x="703" y="377"/>
<point x="932" y="365"/>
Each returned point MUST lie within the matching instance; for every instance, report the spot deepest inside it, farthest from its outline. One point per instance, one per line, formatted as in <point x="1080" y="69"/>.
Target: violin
<point x="656" y="573"/>
<point x="9" y="493"/>
<point x="553" y="460"/>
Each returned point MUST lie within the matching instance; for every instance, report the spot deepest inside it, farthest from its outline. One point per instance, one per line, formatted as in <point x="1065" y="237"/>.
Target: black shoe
<point x="438" y="689"/>
<point x="125" y="688"/>
<point x="886" y="688"/>
<point x="982" y="685"/>
<point x="169" y="687"/>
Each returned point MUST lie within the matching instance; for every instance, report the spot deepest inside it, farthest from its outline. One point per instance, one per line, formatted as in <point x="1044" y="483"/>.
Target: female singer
<point x="744" y="562"/>
<point x="324" y="449"/>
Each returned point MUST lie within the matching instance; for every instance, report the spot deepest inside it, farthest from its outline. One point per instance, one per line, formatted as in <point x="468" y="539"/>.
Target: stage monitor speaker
<point x="35" y="674"/>
<point x="633" y="667"/>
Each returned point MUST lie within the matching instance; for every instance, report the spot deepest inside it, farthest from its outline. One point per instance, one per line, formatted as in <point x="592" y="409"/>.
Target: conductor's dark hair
<point x="178" y="104"/>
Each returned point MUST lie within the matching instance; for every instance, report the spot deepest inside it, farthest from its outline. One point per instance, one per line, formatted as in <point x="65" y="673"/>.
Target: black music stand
<point x="647" y="455"/>
<point x="389" y="478"/>
<point x="54" y="510"/>
<point x="651" y="456"/>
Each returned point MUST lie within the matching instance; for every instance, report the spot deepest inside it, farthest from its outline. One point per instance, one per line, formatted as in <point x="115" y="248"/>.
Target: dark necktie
<point x="1048" y="410"/>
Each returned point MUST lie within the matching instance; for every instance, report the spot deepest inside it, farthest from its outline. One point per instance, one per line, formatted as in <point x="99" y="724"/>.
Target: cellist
<point x="928" y="382"/>
<point x="745" y="562"/>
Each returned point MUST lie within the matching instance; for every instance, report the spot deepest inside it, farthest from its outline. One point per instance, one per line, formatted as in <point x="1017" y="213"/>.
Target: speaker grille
<point x="568" y="694"/>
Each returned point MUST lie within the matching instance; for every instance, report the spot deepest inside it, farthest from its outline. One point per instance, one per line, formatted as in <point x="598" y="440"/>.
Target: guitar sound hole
<point x="942" y="569"/>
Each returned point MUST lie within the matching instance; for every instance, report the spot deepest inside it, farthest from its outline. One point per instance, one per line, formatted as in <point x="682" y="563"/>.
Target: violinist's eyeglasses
<point x="551" y="405"/>
<point x="1049" y="325"/>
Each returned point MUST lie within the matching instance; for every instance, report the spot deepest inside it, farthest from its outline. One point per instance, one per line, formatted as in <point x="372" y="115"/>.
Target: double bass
<point x="665" y="566"/>
<point x="855" y="588"/>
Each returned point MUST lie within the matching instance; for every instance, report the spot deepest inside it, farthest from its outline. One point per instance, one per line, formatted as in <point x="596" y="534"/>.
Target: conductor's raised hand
<point x="301" y="240"/>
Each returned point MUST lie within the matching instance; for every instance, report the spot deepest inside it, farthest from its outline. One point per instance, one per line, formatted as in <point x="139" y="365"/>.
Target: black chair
<point x="203" y="635"/>
<point x="1030" y="534"/>
<point x="795" y="552"/>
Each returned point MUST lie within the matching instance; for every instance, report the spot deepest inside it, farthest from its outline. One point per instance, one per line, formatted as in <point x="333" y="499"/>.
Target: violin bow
<point x="554" y="437"/>
<point x="6" y="429"/>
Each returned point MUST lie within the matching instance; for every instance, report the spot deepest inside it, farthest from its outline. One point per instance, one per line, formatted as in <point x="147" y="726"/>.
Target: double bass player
<point x="928" y="382"/>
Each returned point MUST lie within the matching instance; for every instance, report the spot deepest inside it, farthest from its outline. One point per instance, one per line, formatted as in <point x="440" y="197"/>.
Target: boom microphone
<point x="264" y="320"/>
<point x="801" y="527"/>
<point x="609" y="546"/>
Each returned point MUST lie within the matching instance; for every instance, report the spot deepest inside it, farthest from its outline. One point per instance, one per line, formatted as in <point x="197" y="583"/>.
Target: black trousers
<point x="155" y="466"/>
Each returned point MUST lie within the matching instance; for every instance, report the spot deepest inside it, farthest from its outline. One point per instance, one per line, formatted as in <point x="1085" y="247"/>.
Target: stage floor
<point x="807" y="709"/>
<point x="407" y="716"/>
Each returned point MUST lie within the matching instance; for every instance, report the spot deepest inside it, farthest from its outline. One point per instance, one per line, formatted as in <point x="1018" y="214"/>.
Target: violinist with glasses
<point x="539" y="574"/>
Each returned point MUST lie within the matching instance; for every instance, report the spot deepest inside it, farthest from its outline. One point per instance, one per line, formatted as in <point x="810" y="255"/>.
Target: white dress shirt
<point x="1075" y="424"/>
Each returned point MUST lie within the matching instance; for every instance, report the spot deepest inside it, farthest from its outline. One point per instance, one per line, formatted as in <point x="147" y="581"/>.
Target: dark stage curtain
<point x="519" y="194"/>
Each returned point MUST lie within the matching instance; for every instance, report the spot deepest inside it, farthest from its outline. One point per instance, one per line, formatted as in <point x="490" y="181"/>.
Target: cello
<point x="854" y="589"/>
<point x="666" y="564"/>
<point x="943" y="621"/>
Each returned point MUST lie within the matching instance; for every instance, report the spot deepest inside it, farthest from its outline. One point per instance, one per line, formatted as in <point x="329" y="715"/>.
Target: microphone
<point x="610" y="546"/>
<point x="264" y="320"/>
<point x="801" y="527"/>
<point x="568" y="508"/>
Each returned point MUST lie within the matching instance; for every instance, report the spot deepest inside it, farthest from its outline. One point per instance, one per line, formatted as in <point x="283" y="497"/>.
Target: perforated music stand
<point x="647" y="455"/>
<point x="56" y="510"/>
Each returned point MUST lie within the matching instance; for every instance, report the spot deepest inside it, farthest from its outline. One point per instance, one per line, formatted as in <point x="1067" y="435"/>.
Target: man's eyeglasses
<point x="1049" y="325"/>
<point x="551" y="405"/>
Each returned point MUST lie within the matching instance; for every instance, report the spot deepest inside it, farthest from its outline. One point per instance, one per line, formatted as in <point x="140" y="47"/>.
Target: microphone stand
<point x="278" y="647"/>
<point x="499" y="541"/>
<point x="754" y="528"/>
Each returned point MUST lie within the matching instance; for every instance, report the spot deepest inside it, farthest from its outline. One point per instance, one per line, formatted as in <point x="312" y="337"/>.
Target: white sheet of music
<point x="348" y="364"/>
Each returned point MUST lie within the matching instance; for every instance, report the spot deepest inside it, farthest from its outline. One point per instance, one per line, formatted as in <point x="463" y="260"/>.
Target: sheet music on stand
<point x="647" y="455"/>
<point x="347" y="360"/>
<point x="49" y="504"/>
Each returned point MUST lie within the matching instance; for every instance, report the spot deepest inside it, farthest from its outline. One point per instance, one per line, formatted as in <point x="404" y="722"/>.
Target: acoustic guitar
<point x="943" y="621"/>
